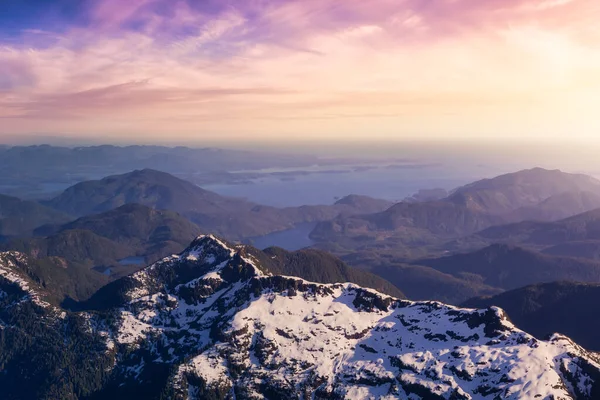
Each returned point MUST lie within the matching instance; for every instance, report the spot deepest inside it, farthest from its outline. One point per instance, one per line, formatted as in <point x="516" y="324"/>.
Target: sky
<point x="184" y="71"/>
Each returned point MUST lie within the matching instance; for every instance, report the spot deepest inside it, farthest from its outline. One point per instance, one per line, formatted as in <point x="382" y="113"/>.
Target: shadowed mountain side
<point x="214" y="323"/>
<point x="576" y="236"/>
<point x="322" y="267"/>
<point x="58" y="278"/>
<point x="20" y="218"/>
<point x="510" y="267"/>
<point x="569" y="308"/>
<point x="410" y="224"/>
<point x="419" y="282"/>
<point x="74" y="245"/>
<point x="585" y="226"/>
<point x="135" y="222"/>
<point x="230" y="217"/>
<point x="102" y="240"/>
<point x="585" y="249"/>
<point x="424" y="283"/>
<point x="557" y="207"/>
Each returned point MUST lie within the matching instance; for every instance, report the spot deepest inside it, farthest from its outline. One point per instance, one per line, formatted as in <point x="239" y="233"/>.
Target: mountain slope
<point x="147" y="187"/>
<point x="132" y="223"/>
<point x="584" y="226"/>
<point x="212" y="323"/>
<point x="411" y="225"/>
<point x="509" y="267"/>
<point x="567" y="307"/>
<point x="576" y="236"/>
<point x="530" y="194"/>
<point x="53" y="277"/>
<point x="20" y="218"/>
<point x="79" y="246"/>
<point x="559" y="206"/>
<point x="101" y="240"/>
<point x="528" y="188"/>
<point x="425" y="283"/>
<point x="318" y="266"/>
<point x="231" y="217"/>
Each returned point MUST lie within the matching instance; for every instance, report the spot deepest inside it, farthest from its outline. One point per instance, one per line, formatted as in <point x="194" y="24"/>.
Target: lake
<point x="132" y="261"/>
<point x="291" y="239"/>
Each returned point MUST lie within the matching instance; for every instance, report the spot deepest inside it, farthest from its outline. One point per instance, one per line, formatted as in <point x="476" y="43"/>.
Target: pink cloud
<point x="295" y="60"/>
<point x="110" y="14"/>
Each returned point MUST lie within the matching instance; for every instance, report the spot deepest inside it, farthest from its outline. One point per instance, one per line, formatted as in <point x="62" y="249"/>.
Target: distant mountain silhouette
<point x="231" y="217"/>
<point x="509" y="267"/>
<point x="537" y="187"/>
<point x="530" y="194"/>
<point x="569" y="308"/>
<point x="427" y="195"/>
<point x="489" y="271"/>
<point x="26" y="170"/>
<point x="576" y="236"/>
<point x="365" y="203"/>
<point x="147" y="187"/>
<point x="585" y="226"/>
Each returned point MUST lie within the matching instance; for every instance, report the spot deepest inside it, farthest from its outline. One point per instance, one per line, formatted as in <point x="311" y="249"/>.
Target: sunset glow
<point x="378" y="69"/>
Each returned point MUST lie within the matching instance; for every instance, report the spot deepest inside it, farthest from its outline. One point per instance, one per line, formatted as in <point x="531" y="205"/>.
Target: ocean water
<point x="325" y="186"/>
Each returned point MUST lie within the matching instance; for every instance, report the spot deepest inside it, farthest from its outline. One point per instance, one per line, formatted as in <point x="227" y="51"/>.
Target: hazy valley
<point x="299" y="200"/>
<point x="527" y="242"/>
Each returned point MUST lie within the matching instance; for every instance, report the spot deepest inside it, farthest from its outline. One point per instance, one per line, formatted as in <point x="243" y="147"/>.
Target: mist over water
<point x="392" y="184"/>
<point x="394" y="171"/>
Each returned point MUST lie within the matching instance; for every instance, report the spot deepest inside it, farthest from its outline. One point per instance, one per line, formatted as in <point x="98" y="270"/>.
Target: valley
<point x="299" y="200"/>
<point x="216" y="322"/>
<point x="521" y="241"/>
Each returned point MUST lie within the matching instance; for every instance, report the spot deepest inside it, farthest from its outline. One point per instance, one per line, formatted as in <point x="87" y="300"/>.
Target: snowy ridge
<point x="237" y="332"/>
<point x="216" y="324"/>
<point x="10" y="263"/>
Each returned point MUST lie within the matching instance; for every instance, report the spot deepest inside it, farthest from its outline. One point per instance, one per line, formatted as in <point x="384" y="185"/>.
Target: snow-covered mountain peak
<point x="206" y="245"/>
<point x="234" y="331"/>
<point x="213" y="323"/>
<point x="207" y="262"/>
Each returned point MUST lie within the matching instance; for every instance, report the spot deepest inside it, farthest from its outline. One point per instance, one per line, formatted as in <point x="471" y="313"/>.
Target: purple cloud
<point x="16" y="74"/>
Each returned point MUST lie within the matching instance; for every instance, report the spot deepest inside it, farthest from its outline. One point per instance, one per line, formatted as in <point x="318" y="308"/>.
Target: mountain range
<point x="215" y="323"/>
<point x="549" y="194"/>
<point x="20" y="218"/>
<point x="488" y="271"/>
<point x="510" y="267"/>
<point x="148" y="215"/>
<point x="578" y="235"/>
<point x="42" y="170"/>
<point x="408" y="227"/>
<point x="102" y="240"/>
<point x="570" y="308"/>
<point x="230" y="217"/>
<point x="68" y="261"/>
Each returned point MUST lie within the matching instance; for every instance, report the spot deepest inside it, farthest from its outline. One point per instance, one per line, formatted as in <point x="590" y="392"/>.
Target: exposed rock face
<point x="213" y="323"/>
